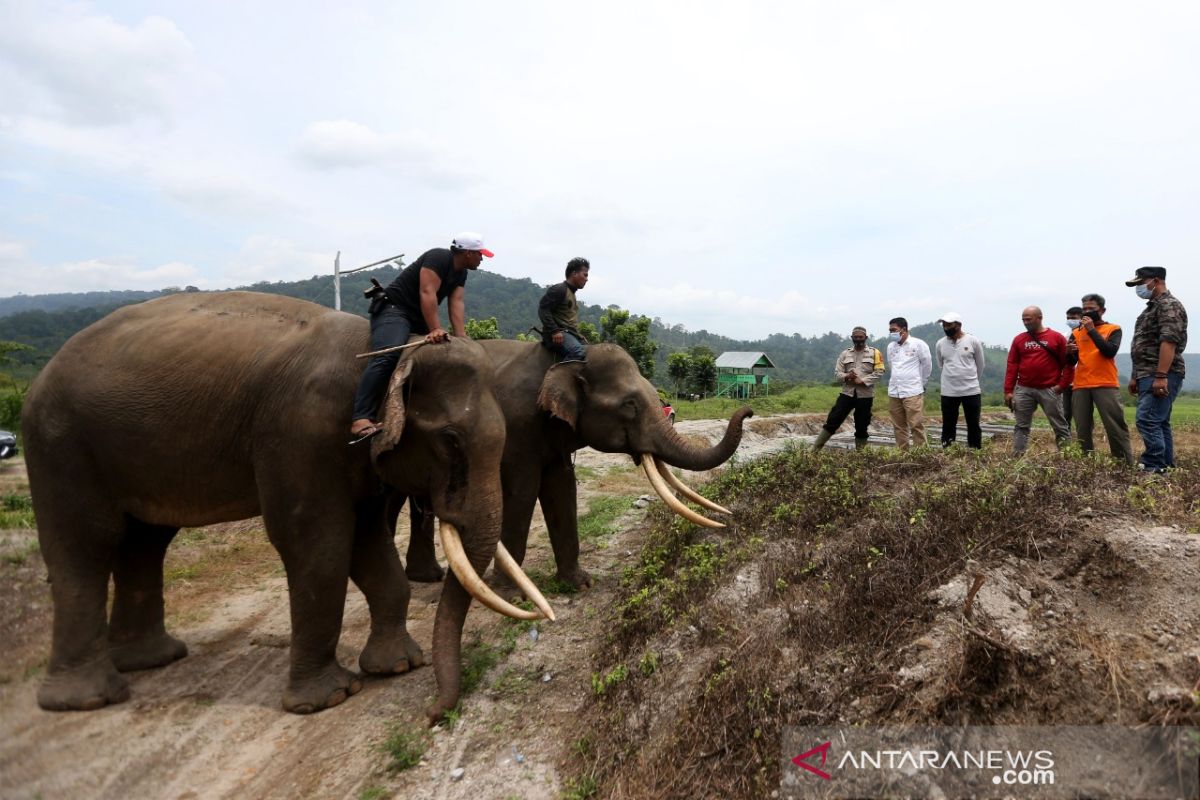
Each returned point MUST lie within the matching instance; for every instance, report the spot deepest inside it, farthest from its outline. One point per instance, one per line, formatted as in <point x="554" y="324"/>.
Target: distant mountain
<point x="45" y="322"/>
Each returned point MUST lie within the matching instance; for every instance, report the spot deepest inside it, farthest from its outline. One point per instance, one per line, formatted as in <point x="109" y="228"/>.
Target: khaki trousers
<point x="908" y="413"/>
<point x="1106" y="400"/>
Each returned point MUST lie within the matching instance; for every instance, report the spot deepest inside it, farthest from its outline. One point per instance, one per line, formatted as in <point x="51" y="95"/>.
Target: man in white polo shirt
<point x="911" y="366"/>
<point x="960" y="355"/>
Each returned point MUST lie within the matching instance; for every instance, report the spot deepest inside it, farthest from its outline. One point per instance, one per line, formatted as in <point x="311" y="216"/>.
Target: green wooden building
<point x="743" y="374"/>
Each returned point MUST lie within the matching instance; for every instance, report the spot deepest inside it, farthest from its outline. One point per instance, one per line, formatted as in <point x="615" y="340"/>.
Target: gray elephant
<point x="196" y="409"/>
<point x="551" y="410"/>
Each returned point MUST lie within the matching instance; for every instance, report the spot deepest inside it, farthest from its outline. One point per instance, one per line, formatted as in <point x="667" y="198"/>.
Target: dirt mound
<point x="878" y="588"/>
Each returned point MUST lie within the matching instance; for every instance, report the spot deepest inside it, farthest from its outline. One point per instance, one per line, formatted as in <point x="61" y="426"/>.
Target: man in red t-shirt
<point x="1037" y="375"/>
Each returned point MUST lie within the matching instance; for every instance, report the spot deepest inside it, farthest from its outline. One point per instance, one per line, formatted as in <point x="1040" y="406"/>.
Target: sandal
<point x="365" y="434"/>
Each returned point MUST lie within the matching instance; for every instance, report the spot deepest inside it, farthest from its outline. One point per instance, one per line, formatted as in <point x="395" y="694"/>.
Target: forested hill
<point x="45" y="322"/>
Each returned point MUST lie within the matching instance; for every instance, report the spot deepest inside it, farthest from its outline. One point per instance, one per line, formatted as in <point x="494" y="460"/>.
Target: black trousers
<point x="971" y="405"/>
<point x="861" y="406"/>
<point x="389" y="327"/>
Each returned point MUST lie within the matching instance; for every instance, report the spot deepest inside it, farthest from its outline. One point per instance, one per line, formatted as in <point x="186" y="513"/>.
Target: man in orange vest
<point x="1093" y="348"/>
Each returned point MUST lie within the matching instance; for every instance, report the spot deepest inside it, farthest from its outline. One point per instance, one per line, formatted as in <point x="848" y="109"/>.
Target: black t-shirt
<point x="405" y="290"/>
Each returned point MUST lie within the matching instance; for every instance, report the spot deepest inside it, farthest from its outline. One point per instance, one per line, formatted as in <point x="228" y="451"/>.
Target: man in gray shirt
<point x="960" y="357"/>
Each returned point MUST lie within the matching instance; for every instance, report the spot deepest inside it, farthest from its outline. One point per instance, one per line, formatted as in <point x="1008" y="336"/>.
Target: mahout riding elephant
<point x="551" y="410"/>
<point x="196" y="409"/>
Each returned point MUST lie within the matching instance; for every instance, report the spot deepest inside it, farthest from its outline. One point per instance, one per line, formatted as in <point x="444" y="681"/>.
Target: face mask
<point x="859" y="343"/>
<point x="1032" y="327"/>
<point x="894" y="336"/>
<point x="1073" y="324"/>
<point x="950" y="330"/>
<point x="1144" y="291"/>
<point x="1094" y="316"/>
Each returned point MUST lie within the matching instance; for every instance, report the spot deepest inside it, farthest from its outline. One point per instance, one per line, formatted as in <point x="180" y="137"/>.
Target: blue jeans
<point x="571" y="348"/>
<point x="1154" y="422"/>
<point x="389" y="327"/>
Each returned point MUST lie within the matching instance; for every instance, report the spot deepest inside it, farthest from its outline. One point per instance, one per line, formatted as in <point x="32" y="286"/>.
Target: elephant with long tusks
<point x="196" y="409"/>
<point x="550" y="411"/>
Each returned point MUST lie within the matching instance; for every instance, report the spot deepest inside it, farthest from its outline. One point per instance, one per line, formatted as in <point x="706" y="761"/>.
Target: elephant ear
<point x="562" y="391"/>
<point x="392" y="418"/>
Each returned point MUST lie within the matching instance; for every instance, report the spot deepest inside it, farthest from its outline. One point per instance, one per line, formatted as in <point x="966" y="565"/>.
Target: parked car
<point x="8" y="444"/>
<point x="668" y="411"/>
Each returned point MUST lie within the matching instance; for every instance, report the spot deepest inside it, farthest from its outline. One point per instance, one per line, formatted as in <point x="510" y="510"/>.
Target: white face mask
<point x="1074" y="323"/>
<point x="894" y="336"/>
<point x="1144" y="291"/>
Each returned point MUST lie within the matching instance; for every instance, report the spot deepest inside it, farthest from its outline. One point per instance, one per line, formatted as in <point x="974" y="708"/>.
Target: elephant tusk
<point x="687" y="491"/>
<point x="673" y="502"/>
<point x="512" y="569"/>
<point x="455" y="554"/>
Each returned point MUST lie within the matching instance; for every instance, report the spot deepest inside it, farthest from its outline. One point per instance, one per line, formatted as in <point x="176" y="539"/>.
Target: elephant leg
<point x="79" y="542"/>
<point x="375" y="569"/>
<point x="421" y="563"/>
<point x="137" y="637"/>
<point x="514" y="531"/>
<point x="315" y="544"/>
<point x="557" y="497"/>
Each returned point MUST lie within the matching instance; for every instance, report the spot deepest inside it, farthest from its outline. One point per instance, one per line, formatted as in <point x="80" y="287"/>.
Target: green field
<point x="818" y="399"/>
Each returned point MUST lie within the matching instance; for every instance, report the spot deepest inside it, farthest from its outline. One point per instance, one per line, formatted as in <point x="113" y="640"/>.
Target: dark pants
<point x="389" y="327"/>
<point x="1068" y="396"/>
<point x="861" y="406"/>
<point x="971" y="405"/>
<point x="1154" y="422"/>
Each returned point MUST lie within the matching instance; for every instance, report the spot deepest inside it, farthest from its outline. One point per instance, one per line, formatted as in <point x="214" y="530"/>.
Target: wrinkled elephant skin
<point x="202" y="408"/>
<point x="553" y="410"/>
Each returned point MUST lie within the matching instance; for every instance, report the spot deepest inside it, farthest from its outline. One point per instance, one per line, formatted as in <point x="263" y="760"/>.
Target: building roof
<point x="736" y="359"/>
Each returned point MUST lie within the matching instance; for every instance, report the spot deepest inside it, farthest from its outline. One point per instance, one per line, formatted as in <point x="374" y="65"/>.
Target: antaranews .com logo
<point x="1042" y="762"/>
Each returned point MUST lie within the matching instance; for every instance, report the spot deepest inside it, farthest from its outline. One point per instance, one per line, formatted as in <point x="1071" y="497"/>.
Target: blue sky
<point x="748" y="168"/>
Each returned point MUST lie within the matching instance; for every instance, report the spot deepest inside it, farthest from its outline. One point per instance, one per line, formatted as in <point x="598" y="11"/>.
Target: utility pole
<point x="337" y="281"/>
<point x="337" y="274"/>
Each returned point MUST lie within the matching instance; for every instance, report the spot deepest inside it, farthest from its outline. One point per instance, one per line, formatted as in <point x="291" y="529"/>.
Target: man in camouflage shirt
<point x="1157" y="352"/>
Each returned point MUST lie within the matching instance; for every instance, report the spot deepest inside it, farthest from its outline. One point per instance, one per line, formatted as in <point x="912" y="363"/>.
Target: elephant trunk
<point x="447" y="647"/>
<point x="457" y="593"/>
<point x="675" y="451"/>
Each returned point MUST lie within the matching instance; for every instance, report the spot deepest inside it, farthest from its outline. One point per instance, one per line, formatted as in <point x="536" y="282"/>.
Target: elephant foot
<point x="327" y="689"/>
<point x="147" y="653"/>
<point x="83" y="689"/>
<point x="390" y="653"/>
<point x="424" y="573"/>
<point x="577" y="578"/>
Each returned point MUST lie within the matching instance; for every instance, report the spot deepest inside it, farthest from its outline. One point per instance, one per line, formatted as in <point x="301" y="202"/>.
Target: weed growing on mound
<point x="404" y="748"/>
<point x="798" y="613"/>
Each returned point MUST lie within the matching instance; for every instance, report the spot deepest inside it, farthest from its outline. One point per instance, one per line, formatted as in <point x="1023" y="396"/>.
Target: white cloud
<point x="270" y="258"/>
<point x="343" y="144"/>
<point x="66" y="62"/>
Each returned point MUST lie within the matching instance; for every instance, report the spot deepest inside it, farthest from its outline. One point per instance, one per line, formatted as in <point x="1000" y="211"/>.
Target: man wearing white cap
<point x="960" y="358"/>
<point x="409" y="305"/>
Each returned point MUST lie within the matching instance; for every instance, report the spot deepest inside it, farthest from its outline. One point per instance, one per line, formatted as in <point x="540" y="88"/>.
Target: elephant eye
<point x="452" y="437"/>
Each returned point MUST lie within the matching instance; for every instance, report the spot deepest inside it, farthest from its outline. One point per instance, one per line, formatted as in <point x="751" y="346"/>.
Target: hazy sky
<point x="748" y="167"/>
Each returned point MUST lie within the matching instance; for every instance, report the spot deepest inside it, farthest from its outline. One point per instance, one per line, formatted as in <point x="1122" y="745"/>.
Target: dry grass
<point x="804" y="611"/>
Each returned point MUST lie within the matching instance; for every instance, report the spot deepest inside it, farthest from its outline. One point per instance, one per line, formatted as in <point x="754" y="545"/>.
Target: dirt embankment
<point x="1097" y="624"/>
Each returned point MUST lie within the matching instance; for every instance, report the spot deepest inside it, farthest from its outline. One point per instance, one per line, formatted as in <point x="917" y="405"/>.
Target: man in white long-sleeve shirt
<point x="911" y="367"/>
<point x="960" y="356"/>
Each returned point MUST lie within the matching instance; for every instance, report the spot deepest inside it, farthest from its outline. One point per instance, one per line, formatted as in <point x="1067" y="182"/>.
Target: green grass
<point x="16" y="511"/>
<point x="404" y="748"/>
<point x="602" y="513"/>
